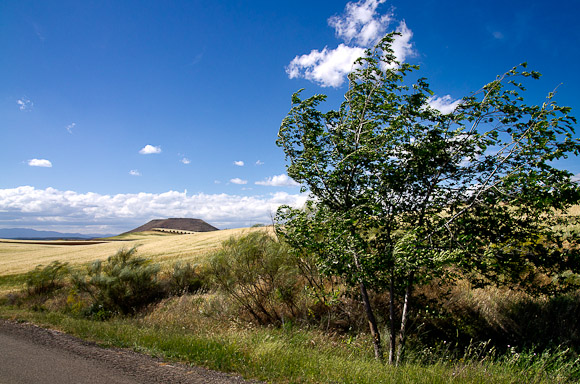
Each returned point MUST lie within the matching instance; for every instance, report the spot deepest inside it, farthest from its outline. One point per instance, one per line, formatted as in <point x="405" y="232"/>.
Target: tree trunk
<point x="393" y="338"/>
<point x="370" y="315"/>
<point x="372" y="322"/>
<point x="402" y="334"/>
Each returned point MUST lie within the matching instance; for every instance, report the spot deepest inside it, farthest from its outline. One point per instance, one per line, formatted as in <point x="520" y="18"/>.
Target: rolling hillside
<point x="165" y="248"/>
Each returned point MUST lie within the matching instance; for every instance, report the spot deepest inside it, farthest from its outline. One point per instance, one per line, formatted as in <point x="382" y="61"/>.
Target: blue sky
<point x="113" y="113"/>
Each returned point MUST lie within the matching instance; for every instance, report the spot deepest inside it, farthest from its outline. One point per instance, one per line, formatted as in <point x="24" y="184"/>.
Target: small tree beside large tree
<point x="403" y="193"/>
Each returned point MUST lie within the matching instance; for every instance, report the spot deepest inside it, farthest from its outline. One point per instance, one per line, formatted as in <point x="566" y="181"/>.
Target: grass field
<point x="18" y="257"/>
<point x="205" y="328"/>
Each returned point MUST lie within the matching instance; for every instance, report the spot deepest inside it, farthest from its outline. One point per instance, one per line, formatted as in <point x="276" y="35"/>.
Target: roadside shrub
<point x="259" y="274"/>
<point x="43" y="280"/>
<point x="545" y="322"/>
<point x="186" y="278"/>
<point x="123" y="284"/>
<point x="461" y="315"/>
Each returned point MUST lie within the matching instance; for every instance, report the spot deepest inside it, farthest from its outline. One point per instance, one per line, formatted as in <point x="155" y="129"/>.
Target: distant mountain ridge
<point x="27" y="234"/>
<point x="181" y="224"/>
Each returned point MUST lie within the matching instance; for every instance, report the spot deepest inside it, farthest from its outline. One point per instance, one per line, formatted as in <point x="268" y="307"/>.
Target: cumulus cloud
<point x="185" y="160"/>
<point x="40" y="163"/>
<point x="24" y="104"/>
<point x="360" y="27"/>
<point x="327" y="67"/>
<point x="53" y="209"/>
<point x="444" y="104"/>
<point x="70" y="127"/>
<point x="576" y="178"/>
<point x="149" y="150"/>
<point x="259" y="162"/>
<point x="278" y="181"/>
<point x="361" y="23"/>
<point x="134" y="172"/>
<point x="239" y="163"/>
<point x="239" y="181"/>
<point x="402" y="47"/>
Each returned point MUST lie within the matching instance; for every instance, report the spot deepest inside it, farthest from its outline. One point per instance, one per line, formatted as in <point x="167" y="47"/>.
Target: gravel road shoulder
<point x="31" y="354"/>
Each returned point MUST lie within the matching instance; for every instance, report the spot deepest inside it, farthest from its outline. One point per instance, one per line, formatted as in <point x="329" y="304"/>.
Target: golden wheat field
<point x="164" y="248"/>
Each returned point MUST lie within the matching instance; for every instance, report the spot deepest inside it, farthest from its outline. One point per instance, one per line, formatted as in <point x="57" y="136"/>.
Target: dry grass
<point x="574" y="211"/>
<point x="490" y="302"/>
<point x="164" y="248"/>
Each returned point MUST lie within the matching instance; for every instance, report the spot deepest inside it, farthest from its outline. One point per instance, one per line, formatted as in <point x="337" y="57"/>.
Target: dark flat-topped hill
<point x="193" y="225"/>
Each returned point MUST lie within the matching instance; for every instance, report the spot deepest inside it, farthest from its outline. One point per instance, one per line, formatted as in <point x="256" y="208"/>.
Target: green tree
<point x="403" y="192"/>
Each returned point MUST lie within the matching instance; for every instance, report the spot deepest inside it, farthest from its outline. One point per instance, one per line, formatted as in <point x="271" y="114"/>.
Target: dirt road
<point x="33" y="355"/>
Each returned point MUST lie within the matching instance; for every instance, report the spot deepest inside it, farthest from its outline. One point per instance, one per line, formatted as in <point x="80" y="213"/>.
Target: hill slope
<point x="182" y="224"/>
<point x="166" y="249"/>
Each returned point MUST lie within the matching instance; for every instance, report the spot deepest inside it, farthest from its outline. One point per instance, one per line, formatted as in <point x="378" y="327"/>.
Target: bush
<point x="462" y="315"/>
<point x="186" y="279"/>
<point x="259" y="274"/>
<point x="44" y="280"/>
<point x="123" y="284"/>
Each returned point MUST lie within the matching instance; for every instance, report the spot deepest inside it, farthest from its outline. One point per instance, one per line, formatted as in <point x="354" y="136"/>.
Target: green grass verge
<point x="277" y="355"/>
<point x="12" y="282"/>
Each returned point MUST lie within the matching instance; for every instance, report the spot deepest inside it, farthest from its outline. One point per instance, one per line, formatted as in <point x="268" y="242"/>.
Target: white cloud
<point x="24" y="104"/>
<point x="278" y="181"/>
<point x="196" y="59"/>
<point x="576" y="178"/>
<point x="134" y="172"/>
<point x="444" y="104"/>
<point x="39" y="31"/>
<point x="361" y="25"/>
<point x="185" y="160"/>
<point x="259" y="162"/>
<point x="402" y="47"/>
<point x="497" y="35"/>
<point x="53" y="209"/>
<point x="239" y="181"/>
<point x="70" y="127"/>
<point x="327" y="68"/>
<point x="150" y="149"/>
<point x="239" y="163"/>
<point x="40" y="163"/>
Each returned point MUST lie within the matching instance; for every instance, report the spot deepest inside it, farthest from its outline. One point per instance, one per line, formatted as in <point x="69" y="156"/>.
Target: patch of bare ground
<point x="62" y="358"/>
